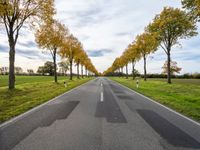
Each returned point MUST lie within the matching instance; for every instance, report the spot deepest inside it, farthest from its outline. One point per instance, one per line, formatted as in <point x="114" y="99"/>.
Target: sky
<point x="105" y="28"/>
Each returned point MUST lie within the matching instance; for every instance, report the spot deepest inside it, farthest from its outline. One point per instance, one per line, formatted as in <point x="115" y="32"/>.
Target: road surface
<point x="100" y="115"/>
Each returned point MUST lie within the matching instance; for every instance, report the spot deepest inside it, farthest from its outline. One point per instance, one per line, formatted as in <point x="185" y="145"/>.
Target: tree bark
<point x="82" y="71"/>
<point x="145" y="70"/>
<point x="70" y="61"/>
<point x="122" y="71"/>
<point x="11" y="62"/>
<point x="133" y="69"/>
<point x="55" y="66"/>
<point x="126" y="71"/>
<point x="86" y="71"/>
<point x="78" y="70"/>
<point x="168" y="66"/>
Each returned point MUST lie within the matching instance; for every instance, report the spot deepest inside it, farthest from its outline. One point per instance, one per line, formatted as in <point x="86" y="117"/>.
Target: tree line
<point x="165" y="31"/>
<point x="50" y="34"/>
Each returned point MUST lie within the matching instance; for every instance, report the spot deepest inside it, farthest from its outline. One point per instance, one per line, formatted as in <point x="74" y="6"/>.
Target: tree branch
<point x="163" y="48"/>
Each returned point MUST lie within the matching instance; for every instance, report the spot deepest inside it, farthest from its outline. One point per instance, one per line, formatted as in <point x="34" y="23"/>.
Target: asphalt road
<point x="100" y="115"/>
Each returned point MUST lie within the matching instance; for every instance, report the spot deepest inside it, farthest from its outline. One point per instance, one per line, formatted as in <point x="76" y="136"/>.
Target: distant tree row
<point x="50" y="34"/>
<point x="18" y="70"/>
<point x="165" y="31"/>
<point x="55" y="37"/>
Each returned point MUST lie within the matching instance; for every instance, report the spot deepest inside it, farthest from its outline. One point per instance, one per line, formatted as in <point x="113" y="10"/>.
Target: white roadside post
<point x="137" y="83"/>
<point x="65" y="83"/>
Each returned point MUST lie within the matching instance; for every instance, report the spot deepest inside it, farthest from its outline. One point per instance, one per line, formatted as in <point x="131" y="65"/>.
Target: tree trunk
<point x="82" y="71"/>
<point x="70" y="69"/>
<point x="86" y="71"/>
<point x="133" y="69"/>
<point x="122" y="71"/>
<point x="78" y="70"/>
<point x="11" y="62"/>
<point x="145" y="70"/>
<point x="126" y="71"/>
<point x="55" y="66"/>
<point x="168" y="66"/>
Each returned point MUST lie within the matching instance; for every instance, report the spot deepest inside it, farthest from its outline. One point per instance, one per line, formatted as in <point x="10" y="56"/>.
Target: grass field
<point x="28" y="79"/>
<point x="31" y="91"/>
<point x="183" y="95"/>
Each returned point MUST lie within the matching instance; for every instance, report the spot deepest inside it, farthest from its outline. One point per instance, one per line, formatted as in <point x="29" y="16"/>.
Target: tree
<point x="4" y="70"/>
<point x="14" y="14"/>
<point x="174" y="68"/>
<point x="41" y="70"/>
<point x="30" y="71"/>
<point x="64" y="65"/>
<point x="146" y="43"/>
<point x="48" y="68"/>
<point x="133" y="56"/>
<point x="69" y="49"/>
<point x="193" y="6"/>
<point x="171" y="25"/>
<point x="89" y="68"/>
<point x="82" y="61"/>
<point x="50" y="36"/>
<point x="125" y="57"/>
<point x="18" y="70"/>
<point x="80" y="54"/>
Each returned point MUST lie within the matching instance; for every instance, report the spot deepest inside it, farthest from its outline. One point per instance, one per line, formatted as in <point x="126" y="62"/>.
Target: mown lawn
<point x="27" y="79"/>
<point x="183" y="95"/>
<point x="30" y="92"/>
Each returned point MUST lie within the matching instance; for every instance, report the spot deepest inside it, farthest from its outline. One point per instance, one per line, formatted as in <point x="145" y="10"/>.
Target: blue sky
<point x="106" y="28"/>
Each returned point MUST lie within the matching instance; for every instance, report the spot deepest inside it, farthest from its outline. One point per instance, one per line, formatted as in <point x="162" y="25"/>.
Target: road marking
<point x="193" y="121"/>
<point x="101" y="96"/>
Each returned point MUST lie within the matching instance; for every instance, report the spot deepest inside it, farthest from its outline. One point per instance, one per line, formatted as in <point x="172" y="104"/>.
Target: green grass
<point x="31" y="91"/>
<point x="183" y="95"/>
<point x="27" y="79"/>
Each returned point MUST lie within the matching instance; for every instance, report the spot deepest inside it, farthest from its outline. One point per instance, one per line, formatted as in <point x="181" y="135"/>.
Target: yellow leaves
<point x="193" y="6"/>
<point x="51" y="35"/>
<point x="34" y="12"/>
<point x="69" y="47"/>
<point x="47" y="9"/>
<point x="146" y="43"/>
<point x="73" y="50"/>
<point x="173" y="68"/>
<point x="172" y="24"/>
<point x="5" y="8"/>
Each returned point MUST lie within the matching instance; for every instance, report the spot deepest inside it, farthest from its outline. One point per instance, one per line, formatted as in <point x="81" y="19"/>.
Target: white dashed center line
<point x="101" y="96"/>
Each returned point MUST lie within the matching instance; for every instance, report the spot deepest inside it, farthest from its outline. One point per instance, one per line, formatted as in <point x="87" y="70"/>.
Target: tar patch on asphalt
<point x="109" y="109"/>
<point x="124" y="97"/>
<point x="168" y="131"/>
<point x="43" y="117"/>
<point x="59" y="112"/>
<point x="116" y="88"/>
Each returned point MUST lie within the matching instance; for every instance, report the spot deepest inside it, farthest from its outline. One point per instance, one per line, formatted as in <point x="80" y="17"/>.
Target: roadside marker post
<point x="137" y="83"/>
<point x="65" y="83"/>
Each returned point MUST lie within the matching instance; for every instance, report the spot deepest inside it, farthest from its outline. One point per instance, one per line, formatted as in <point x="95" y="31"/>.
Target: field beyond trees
<point x="31" y="91"/>
<point x="183" y="95"/>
